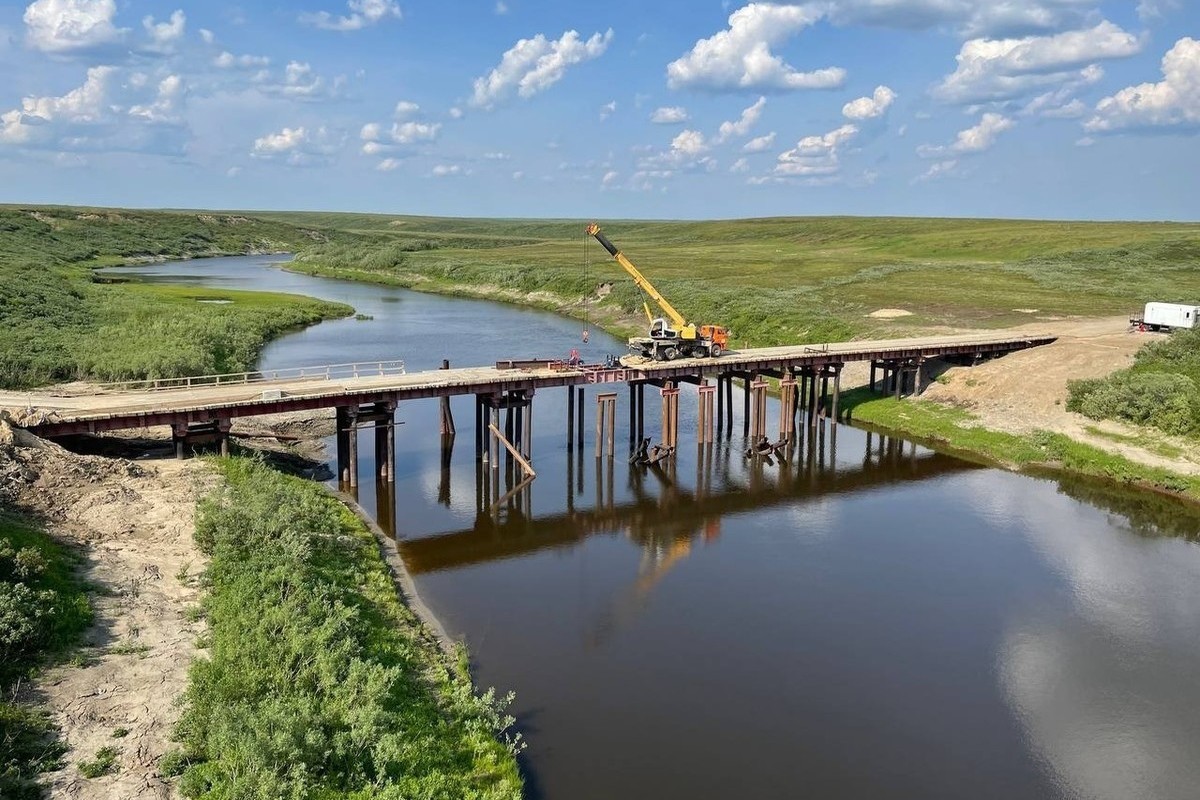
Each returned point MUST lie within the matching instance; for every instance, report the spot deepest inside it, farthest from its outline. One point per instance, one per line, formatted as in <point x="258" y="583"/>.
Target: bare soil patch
<point x="1027" y="390"/>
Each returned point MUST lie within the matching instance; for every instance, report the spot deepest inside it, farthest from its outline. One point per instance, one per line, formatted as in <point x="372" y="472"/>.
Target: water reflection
<point x="662" y="510"/>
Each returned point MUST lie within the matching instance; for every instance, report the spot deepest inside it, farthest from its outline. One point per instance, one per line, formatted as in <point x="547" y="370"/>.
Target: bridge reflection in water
<point x="664" y="517"/>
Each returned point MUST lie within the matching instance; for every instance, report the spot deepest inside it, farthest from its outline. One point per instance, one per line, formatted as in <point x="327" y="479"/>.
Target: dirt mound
<point x="132" y="524"/>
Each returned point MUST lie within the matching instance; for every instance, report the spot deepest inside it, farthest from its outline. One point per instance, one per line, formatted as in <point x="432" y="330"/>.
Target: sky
<point x="666" y="109"/>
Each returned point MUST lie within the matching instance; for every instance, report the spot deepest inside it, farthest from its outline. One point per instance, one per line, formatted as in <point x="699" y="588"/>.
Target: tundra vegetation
<point x="319" y="682"/>
<point x="43" y="609"/>
<point x="59" y="321"/>
<point x="1161" y="389"/>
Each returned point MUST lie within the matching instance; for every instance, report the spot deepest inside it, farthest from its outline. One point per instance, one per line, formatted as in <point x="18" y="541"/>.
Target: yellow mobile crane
<point x="667" y="341"/>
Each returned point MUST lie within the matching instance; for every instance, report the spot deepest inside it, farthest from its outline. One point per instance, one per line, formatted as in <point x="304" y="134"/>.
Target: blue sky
<point x="668" y="109"/>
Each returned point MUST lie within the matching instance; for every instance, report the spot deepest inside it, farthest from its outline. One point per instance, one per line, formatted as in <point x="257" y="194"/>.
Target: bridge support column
<point x="670" y="408"/>
<point x="787" y="406"/>
<point x="837" y="390"/>
<point x="720" y="403"/>
<point x="606" y="423"/>
<point x="758" y="409"/>
<point x="579" y="422"/>
<point x="746" y="381"/>
<point x="446" y="422"/>
<point x="632" y="414"/>
<point x="641" y="412"/>
<point x="385" y="443"/>
<point x="480" y="426"/>
<point x="571" y="419"/>
<point x="705" y="415"/>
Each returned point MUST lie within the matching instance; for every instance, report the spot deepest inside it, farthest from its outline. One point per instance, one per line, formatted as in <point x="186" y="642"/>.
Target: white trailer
<point x="1167" y="317"/>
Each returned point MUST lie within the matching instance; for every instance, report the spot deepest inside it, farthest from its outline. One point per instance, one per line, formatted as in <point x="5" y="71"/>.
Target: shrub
<point x="1163" y="400"/>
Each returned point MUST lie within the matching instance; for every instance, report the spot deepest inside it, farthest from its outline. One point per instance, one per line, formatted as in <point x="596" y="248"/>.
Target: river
<point x="874" y="620"/>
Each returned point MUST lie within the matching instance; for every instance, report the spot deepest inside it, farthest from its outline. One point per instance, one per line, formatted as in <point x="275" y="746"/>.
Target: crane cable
<point x="587" y="283"/>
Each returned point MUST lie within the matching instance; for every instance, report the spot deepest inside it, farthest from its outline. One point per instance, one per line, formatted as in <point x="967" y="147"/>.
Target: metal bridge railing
<point x="325" y="372"/>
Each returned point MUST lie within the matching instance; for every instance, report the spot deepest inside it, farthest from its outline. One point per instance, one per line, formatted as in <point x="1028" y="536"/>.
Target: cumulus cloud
<point x="299" y="82"/>
<point x="227" y="60"/>
<point x="377" y="140"/>
<point x="165" y="35"/>
<point x="534" y="65"/>
<point x="388" y="164"/>
<point x="69" y="26"/>
<point x="109" y="112"/>
<point x="689" y="143"/>
<point x="296" y="147"/>
<point x="363" y="13"/>
<point x="743" y="124"/>
<point x="1172" y="102"/>
<point x="610" y="178"/>
<point x="816" y="155"/>
<point x="739" y="58"/>
<point x="939" y="169"/>
<point x="976" y="139"/>
<point x="1001" y="69"/>
<point x="405" y="108"/>
<point x="608" y="109"/>
<point x="870" y="107"/>
<point x="448" y="170"/>
<point x="669" y="115"/>
<point x="760" y="144"/>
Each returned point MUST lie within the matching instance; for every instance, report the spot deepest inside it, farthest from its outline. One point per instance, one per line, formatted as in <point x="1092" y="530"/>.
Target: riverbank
<point x="317" y="677"/>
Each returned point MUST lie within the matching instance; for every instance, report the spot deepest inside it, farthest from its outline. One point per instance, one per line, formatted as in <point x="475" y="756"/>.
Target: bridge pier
<point x="185" y="434"/>
<point x="705" y="416"/>
<point x="606" y="423"/>
<point x="670" y="409"/>
<point x="446" y="420"/>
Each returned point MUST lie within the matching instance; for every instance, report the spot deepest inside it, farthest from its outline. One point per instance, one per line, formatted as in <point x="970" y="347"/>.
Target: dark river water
<point x="873" y="620"/>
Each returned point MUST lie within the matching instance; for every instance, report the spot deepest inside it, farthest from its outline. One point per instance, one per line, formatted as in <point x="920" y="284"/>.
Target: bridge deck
<point x="53" y="415"/>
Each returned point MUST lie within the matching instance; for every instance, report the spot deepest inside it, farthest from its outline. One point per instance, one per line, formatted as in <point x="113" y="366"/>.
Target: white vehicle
<point x="1167" y="317"/>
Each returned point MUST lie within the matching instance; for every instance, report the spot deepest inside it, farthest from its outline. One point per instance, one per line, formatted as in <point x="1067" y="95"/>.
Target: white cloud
<point x="227" y="60"/>
<point x="534" y="65"/>
<point x="939" y="169"/>
<point x="610" y="178"/>
<point x="363" y="13"/>
<point x="744" y="123"/>
<point x="870" y="107"/>
<point x="1057" y="105"/>
<point x="816" y="155"/>
<point x="975" y="139"/>
<point x="296" y="147"/>
<point x="1173" y="101"/>
<point x="1000" y="69"/>
<point x="455" y="113"/>
<point x="1153" y="10"/>
<point x="165" y="35"/>
<point x="501" y="8"/>
<point x="448" y="170"/>
<point x="496" y="156"/>
<point x="208" y="37"/>
<point x="67" y="26"/>
<point x="405" y="109"/>
<point x="607" y="110"/>
<point x="689" y="143"/>
<point x="669" y="115"/>
<point x="518" y="175"/>
<point x="299" y="83"/>
<point x="759" y="144"/>
<point x="739" y="58"/>
<point x="389" y="164"/>
<point x="378" y="141"/>
<point x="741" y="165"/>
<point x="105" y="114"/>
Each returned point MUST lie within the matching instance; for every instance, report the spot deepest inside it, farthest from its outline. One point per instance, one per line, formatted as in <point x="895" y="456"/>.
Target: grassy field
<point x="785" y="280"/>
<point x="58" y="323"/>
<point x="319" y="682"/>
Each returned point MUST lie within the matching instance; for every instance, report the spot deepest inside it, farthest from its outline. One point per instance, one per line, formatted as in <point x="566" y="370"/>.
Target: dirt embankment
<point x="1026" y="391"/>
<point x="132" y="524"/>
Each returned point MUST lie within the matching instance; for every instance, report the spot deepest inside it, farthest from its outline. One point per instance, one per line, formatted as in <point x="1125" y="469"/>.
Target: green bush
<point x="42" y="611"/>
<point x="319" y="681"/>
<point x="1168" y="401"/>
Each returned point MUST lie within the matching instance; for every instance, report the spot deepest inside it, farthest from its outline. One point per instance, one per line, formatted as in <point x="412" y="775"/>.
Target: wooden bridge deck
<point x="54" y="415"/>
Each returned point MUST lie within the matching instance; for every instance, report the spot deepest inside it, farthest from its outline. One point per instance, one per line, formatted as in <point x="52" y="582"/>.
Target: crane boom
<point x="638" y="278"/>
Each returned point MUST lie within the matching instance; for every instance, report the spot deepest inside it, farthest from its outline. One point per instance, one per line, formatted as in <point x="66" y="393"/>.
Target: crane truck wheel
<point x="670" y="353"/>
<point x="715" y="351"/>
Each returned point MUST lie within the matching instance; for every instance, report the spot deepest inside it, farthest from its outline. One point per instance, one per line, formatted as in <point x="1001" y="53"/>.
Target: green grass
<point x="319" y="682"/>
<point x="104" y="763"/>
<point x="57" y="323"/>
<point x="782" y="280"/>
<point x="956" y="431"/>
<point x="43" y="610"/>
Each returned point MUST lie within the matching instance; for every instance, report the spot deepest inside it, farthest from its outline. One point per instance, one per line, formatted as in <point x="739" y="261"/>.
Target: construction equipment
<point x="672" y="336"/>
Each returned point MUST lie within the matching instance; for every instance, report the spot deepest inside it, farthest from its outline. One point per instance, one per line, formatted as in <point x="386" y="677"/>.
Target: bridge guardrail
<point x="323" y="372"/>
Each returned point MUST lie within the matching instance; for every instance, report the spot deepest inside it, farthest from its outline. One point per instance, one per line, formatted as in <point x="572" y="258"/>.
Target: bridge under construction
<point x="202" y="409"/>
